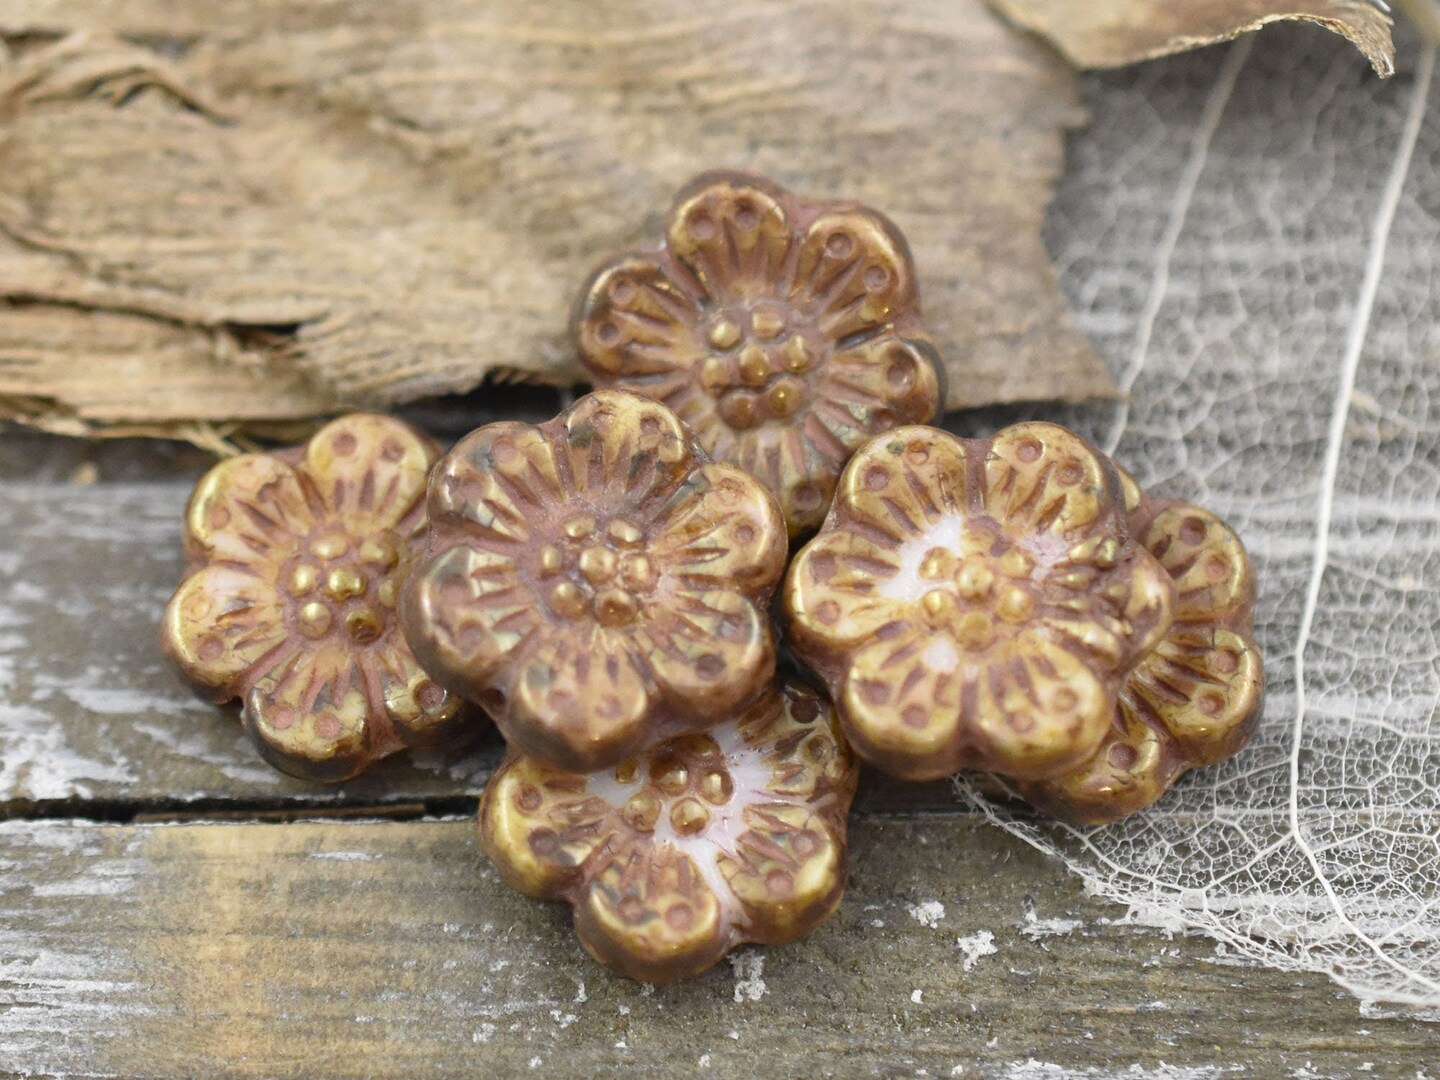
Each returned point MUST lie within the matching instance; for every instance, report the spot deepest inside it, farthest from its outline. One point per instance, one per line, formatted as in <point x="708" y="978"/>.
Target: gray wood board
<point x="393" y="950"/>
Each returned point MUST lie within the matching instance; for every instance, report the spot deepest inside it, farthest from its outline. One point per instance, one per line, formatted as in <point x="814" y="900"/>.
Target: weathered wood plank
<point x="392" y="950"/>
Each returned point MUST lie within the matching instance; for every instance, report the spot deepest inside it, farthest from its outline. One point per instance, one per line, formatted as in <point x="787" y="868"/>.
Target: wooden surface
<point x="387" y="949"/>
<point x="170" y="907"/>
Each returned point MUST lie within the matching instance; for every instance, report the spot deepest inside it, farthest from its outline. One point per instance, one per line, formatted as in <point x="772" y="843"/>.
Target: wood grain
<point x="331" y="205"/>
<point x="393" y="950"/>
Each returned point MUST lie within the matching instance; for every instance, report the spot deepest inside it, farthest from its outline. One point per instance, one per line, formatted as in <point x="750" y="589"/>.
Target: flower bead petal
<point x="854" y="272"/>
<point x="1212" y="572"/>
<point x="1194" y="701"/>
<point x="907" y="481"/>
<point x="298" y="559"/>
<point x="818" y="768"/>
<point x="639" y="574"/>
<point x="1100" y="641"/>
<point x="1133" y="767"/>
<point x="901" y="702"/>
<point x="1193" y="698"/>
<point x="1112" y="616"/>
<point x="466" y="614"/>
<point x="877" y="385"/>
<point x="731" y="233"/>
<point x="835" y="591"/>
<point x="1042" y="479"/>
<point x="1129" y="487"/>
<point x="786" y="461"/>
<point x="698" y="844"/>
<point x="1001" y="603"/>
<point x="369" y="470"/>
<point x="621" y="448"/>
<point x="316" y="736"/>
<point x="787" y="869"/>
<point x="711" y="652"/>
<point x="652" y="917"/>
<point x="421" y="712"/>
<point x="1203" y="687"/>
<point x="245" y="508"/>
<point x="635" y="320"/>
<point x="539" y="825"/>
<point x="578" y="701"/>
<point x="720" y="527"/>
<point x="787" y="872"/>
<point x="919" y="711"/>
<point x="221" y="622"/>
<point x="866" y="390"/>
<point x="496" y="479"/>
<point x="1039" y="713"/>
<point x="783" y="331"/>
<point x="1151" y="608"/>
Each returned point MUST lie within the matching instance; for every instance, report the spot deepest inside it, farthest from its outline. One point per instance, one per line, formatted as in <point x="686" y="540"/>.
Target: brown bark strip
<point x="1112" y="33"/>
<point x="319" y="207"/>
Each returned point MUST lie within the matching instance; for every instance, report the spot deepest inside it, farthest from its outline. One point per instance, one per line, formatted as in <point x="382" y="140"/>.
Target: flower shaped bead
<point x="595" y="582"/>
<point x="1195" y="698"/>
<point x="296" y="561"/>
<point x="699" y="845"/>
<point x="783" y="332"/>
<point x="975" y="603"/>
